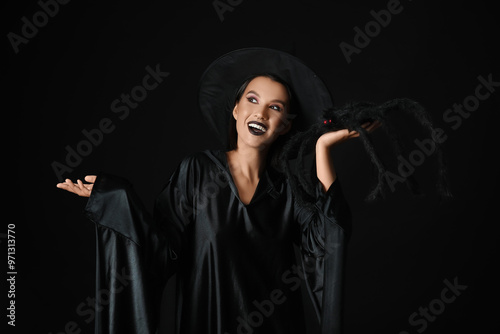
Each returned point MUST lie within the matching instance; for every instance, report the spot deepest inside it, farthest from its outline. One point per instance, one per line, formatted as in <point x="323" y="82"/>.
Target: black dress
<point x="236" y="267"/>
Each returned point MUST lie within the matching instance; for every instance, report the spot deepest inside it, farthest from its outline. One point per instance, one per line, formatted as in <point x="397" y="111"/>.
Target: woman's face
<point x="261" y="114"/>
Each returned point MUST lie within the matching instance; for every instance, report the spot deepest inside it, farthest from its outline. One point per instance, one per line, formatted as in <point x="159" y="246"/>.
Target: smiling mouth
<point x="256" y="128"/>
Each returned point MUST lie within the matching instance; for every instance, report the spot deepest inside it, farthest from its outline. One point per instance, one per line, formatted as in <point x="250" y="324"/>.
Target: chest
<point x="245" y="189"/>
<point x="251" y="211"/>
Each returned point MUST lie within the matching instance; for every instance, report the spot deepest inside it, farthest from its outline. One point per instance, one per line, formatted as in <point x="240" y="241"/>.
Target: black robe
<point x="236" y="267"/>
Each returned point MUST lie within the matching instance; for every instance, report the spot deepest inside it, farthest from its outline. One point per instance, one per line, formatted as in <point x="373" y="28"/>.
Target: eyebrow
<point x="275" y="100"/>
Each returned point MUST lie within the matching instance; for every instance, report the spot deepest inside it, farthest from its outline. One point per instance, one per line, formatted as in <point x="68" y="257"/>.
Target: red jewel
<point x="324" y="122"/>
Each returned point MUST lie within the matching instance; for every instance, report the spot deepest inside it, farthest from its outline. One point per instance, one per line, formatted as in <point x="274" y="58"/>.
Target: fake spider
<point x="351" y="116"/>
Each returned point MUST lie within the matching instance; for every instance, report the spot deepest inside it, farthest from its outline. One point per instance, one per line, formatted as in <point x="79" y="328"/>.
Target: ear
<point x="235" y="112"/>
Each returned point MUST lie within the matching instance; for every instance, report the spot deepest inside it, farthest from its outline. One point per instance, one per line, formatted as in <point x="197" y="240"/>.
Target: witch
<point x="233" y="224"/>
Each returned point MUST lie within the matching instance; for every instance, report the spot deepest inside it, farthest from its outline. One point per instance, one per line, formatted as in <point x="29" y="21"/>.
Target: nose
<point x="262" y="114"/>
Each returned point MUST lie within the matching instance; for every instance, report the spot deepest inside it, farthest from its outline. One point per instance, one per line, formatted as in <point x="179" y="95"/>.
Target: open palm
<point x="79" y="188"/>
<point x="332" y="138"/>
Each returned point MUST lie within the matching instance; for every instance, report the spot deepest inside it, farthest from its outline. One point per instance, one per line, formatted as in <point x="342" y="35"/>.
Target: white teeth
<point x="257" y="126"/>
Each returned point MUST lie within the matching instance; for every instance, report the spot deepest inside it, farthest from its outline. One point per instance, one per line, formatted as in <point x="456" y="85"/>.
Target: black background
<point x="64" y="80"/>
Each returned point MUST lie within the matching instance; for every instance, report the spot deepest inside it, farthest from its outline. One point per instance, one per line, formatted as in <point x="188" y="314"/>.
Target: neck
<point x="248" y="161"/>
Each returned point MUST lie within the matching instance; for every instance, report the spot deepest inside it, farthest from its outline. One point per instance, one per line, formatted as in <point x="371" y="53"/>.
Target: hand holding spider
<point x="332" y="138"/>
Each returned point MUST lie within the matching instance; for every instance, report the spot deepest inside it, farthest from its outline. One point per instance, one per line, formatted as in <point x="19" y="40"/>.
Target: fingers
<point x="67" y="185"/>
<point x="371" y="126"/>
<point x="374" y="126"/>
<point x="90" y="178"/>
<point x="88" y="186"/>
<point x="354" y="134"/>
<point x="78" y="188"/>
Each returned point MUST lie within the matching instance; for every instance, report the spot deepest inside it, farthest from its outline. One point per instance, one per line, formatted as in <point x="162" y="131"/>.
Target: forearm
<point x="325" y="170"/>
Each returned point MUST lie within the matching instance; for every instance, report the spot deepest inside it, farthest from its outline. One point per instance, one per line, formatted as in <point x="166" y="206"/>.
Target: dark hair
<point x="233" y="134"/>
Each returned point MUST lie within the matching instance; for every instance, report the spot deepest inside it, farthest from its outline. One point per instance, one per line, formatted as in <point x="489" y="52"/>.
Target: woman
<point x="226" y="223"/>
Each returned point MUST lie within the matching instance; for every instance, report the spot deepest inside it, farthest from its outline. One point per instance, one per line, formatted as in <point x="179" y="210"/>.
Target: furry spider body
<point x="351" y="116"/>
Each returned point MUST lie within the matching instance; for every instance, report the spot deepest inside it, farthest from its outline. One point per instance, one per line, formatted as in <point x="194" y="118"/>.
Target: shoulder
<point x="192" y="166"/>
<point x="201" y="159"/>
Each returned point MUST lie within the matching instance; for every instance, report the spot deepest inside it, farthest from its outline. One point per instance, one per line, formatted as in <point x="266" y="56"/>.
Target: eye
<point x="252" y="99"/>
<point x="276" y="107"/>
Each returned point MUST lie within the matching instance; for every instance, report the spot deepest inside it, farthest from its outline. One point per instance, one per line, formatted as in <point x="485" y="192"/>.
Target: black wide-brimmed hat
<point x="221" y="80"/>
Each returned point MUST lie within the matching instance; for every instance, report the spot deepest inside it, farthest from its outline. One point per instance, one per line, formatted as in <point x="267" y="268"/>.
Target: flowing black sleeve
<point x="324" y="232"/>
<point x="174" y="206"/>
<point x="133" y="259"/>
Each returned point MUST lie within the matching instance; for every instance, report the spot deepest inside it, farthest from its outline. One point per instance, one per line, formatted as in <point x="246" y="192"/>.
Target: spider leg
<point x="378" y="190"/>
<point x="421" y="115"/>
<point x="399" y="150"/>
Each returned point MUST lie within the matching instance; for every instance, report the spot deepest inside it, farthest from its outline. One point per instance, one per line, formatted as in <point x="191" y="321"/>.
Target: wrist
<point x="322" y="146"/>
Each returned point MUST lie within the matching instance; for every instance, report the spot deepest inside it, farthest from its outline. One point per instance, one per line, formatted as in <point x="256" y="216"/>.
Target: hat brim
<point x="222" y="78"/>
